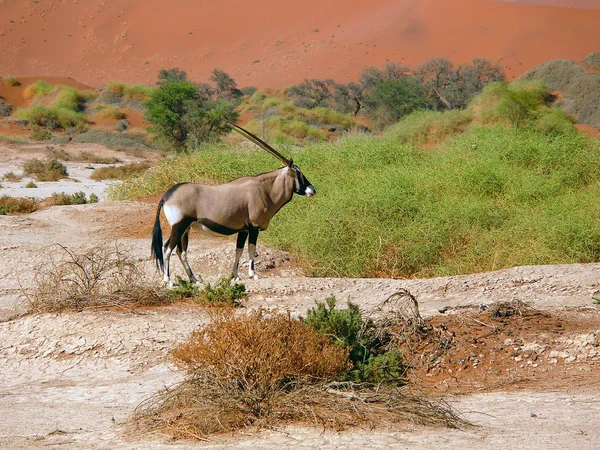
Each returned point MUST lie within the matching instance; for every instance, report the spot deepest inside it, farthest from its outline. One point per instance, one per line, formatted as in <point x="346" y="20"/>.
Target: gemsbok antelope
<point x="244" y="206"/>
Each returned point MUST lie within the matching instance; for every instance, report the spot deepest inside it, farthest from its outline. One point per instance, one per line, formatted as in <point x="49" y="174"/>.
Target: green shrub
<point x="61" y="199"/>
<point x="65" y="118"/>
<point x="223" y="293"/>
<point x="68" y="98"/>
<point x="429" y="126"/>
<point x="555" y="121"/>
<point x="112" y="113"/>
<point x="371" y="361"/>
<point x="31" y="185"/>
<point x="38" y="90"/>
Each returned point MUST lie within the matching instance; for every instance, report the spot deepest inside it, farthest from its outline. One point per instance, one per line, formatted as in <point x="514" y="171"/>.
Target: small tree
<point x="311" y="93"/>
<point x="170" y="75"/>
<point x="348" y="97"/>
<point x="226" y="87"/>
<point x="395" y="98"/>
<point x="182" y="111"/>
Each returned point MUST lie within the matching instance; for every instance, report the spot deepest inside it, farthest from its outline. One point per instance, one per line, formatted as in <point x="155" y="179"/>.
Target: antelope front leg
<point x="239" y="249"/>
<point x="252" y="252"/>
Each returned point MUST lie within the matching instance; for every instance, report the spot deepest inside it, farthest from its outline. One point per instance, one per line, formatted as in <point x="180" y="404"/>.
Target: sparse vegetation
<point x="5" y="107"/>
<point x="120" y="172"/>
<point x="100" y="276"/>
<point x="46" y="170"/>
<point x="37" y="90"/>
<point x="16" y="205"/>
<point x="11" y="176"/>
<point x="62" y="199"/>
<point x="223" y="293"/>
<point x="112" y="113"/>
<point x="114" y="140"/>
<point x="62" y="117"/>
<point x="268" y="369"/>
<point x="31" y="185"/>
<point x="11" y="81"/>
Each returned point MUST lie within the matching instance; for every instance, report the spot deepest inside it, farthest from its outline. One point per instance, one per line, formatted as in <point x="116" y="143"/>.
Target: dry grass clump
<point x="508" y="308"/>
<point x="98" y="277"/>
<point x="11" y="81"/>
<point x="46" y="170"/>
<point x="11" y="176"/>
<point x="265" y="369"/>
<point x="83" y="156"/>
<point x="120" y="172"/>
<point x="111" y="113"/>
<point x="17" y="205"/>
<point x="62" y="199"/>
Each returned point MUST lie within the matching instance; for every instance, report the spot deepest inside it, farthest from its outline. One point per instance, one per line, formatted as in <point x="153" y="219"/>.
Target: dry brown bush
<point x="100" y="276"/>
<point x="120" y="172"/>
<point x="259" y="369"/>
<point x="18" y="205"/>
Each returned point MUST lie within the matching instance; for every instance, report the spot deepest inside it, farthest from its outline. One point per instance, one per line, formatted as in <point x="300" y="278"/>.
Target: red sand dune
<point x="274" y="43"/>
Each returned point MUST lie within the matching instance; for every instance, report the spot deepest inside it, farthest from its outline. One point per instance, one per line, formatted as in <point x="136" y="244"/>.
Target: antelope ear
<point x="290" y="163"/>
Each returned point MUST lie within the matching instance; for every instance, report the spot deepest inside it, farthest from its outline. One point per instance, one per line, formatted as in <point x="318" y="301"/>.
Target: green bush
<point x="223" y="293"/>
<point x="429" y="126"/>
<point x="371" y="361"/>
<point x="65" y="118"/>
<point x="39" y="134"/>
<point x="38" y="90"/>
<point x="484" y="200"/>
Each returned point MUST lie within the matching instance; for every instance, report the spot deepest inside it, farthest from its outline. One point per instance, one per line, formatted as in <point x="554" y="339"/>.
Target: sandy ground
<point x="14" y="155"/>
<point x="270" y="43"/>
<point x="72" y="380"/>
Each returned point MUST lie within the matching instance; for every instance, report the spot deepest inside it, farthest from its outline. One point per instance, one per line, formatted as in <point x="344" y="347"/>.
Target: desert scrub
<point x="111" y="112"/>
<point x="266" y="368"/>
<point x="5" y="107"/>
<point x="223" y="293"/>
<point x="120" y="172"/>
<point x="64" y="118"/>
<point x="31" y="185"/>
<point x="100" y="276"/>
<point x="39" y="134"/>
<point x="62" y="199"/>
<point x="486" y="199"/>
<point x="45" y="170"/>
<point x="372" y="359"/>
<point x="11" y="81"/>
<point x="114" y="140"/>
<point x="37" y="90"/>
<point x="16" y="205"/>
<point x="11" y="176"/>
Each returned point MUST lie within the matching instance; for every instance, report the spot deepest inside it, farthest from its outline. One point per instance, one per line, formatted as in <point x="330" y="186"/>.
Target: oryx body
<point x="244" y="206"/>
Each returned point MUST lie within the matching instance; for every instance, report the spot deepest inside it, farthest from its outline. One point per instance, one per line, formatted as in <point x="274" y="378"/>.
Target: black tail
<point x="157" y="240"/>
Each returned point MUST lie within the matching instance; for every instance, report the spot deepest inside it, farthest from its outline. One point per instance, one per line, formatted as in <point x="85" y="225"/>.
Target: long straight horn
<point x="259" y="142"/>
